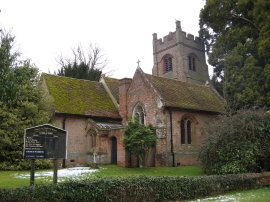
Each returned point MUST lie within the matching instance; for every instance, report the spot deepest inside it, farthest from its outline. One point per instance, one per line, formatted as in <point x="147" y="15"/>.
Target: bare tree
<point x="84" y="64"/>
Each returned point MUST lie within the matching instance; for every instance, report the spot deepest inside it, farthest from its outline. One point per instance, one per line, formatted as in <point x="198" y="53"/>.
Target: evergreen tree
<point x="218" y="84"/>
<point x="237" y="36"/>
<point x="83" y="67"/>
<point x="21" y="104"/>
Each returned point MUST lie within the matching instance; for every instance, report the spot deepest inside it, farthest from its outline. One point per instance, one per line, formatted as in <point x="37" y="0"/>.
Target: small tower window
<point x="192" y="63"/>
<point x="167" y="63"/>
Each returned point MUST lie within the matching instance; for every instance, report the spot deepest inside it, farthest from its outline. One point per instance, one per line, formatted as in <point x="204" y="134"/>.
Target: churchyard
<point x="144" y="133"/>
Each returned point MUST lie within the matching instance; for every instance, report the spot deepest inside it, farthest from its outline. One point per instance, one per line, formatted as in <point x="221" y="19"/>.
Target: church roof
<point x="178" y="94"/>
<point x="82" y="97"/>
<point x="113" y="85"/>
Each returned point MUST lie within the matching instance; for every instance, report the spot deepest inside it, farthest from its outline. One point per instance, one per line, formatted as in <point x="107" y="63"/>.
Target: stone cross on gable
<point x="138" y="62"/>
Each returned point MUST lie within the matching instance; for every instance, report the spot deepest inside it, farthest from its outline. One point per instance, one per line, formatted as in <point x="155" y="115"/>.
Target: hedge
<point x="136" y="188"/>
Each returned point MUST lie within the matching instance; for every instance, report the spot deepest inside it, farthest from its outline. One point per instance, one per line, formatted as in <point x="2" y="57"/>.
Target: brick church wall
<point x="121" y="154"/>
<point x="79" y="143"/>
<point x="76" y="148"/>
<point x="187" y="154"/>
<point x="140" y="92"/>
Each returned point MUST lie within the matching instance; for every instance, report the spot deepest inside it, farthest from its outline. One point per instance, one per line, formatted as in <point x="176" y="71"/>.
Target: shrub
<point x="23" y="164"/>
<point x="139" y="139"/>
<point x="135" y="188"/>
<point x="237" y="143"/>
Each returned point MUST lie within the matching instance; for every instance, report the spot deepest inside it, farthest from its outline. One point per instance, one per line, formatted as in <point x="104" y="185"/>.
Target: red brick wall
<point x="140" y="91"/>
<point x="121" y="154"/>
<point x="79" y="142"/>
<point x="123" y="88"/>
<point x="187" y="154"/>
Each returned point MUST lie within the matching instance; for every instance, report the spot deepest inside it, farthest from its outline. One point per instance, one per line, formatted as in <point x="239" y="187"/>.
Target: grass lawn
<point x="115" y="171"/>
<point x="258" y="195"/>
<point x="8" y="180"/>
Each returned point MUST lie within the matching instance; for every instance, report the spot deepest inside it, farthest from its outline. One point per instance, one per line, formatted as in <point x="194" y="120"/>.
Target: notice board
<point x="45" y="142"/>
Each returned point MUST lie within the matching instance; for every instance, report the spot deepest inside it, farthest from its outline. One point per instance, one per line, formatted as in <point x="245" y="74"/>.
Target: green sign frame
<point x="45" y="142"/>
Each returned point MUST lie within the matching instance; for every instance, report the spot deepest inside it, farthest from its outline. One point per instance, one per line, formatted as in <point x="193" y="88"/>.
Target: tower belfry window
<point x="192" y="62"/>
<point x="167" y="63"/>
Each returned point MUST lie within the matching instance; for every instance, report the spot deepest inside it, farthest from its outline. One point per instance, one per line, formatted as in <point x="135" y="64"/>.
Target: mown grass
<point x="258" y="195"/>
<point x="8" y="178"/>
<point x="116" y="171"/>
<point x="8" y="181"/>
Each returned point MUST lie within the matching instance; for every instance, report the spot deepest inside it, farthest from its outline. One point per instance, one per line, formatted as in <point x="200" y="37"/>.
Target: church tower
<point x="180" y="56"/>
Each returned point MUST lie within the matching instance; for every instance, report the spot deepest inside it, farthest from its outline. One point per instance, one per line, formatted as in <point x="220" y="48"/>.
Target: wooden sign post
<point x="55" y="170"/>
<point x="44" y="142"/>
<point x="32" y="173"/>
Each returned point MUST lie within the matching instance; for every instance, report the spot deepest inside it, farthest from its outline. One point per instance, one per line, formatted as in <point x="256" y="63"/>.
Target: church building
<point x="177" y="99"/>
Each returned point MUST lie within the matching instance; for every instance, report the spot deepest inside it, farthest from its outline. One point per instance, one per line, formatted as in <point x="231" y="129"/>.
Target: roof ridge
<point x="109" y="91"/>
<point x="71" y="78"/>
<point x="107" y="77"/>
<point x="175" y="80"/>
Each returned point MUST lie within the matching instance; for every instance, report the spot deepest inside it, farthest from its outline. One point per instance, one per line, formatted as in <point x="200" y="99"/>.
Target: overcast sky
<point x="122" y="29"/>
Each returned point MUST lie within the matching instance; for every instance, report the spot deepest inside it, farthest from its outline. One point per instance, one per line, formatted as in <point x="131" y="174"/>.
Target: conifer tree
<point x="21" y="104"/>
<point x="237" y="36"/>
<point x="84" y="65"/>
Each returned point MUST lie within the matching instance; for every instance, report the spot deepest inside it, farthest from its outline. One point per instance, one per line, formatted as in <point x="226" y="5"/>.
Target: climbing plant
<point x="139" y="139"/>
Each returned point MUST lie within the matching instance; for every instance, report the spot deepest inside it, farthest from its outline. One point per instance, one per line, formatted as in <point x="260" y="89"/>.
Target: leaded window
<point x="186" y="131"/>
<point x="139" y="114"/>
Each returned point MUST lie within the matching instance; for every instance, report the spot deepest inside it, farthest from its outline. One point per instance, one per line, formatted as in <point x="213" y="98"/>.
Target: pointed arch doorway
<point x="113" y="150"/>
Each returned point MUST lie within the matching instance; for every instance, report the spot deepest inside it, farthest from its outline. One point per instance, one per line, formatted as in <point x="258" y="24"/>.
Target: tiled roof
<point x="113" y="85"/>
<point x="83" y="97"/>
<point x="186" y="96"/>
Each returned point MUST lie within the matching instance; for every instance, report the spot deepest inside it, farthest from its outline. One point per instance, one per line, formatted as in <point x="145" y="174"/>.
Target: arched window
<point x="192" y="62"/>
<point x="93" y="140"/>
<point x="167" y="63"/>
<point x="183" y="132"/>
<point x="186" y="131"/>
<point x="138" y="114"/>
<point x="189" y="132"/>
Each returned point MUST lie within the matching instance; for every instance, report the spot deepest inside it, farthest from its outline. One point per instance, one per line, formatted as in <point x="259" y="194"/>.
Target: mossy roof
<point x="178" y="94"/>
<point x="83" y="97"/>
<point x="113" y="85"/>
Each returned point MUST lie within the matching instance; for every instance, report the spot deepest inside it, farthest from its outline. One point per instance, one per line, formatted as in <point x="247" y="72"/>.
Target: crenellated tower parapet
<point x="180" y="55"/>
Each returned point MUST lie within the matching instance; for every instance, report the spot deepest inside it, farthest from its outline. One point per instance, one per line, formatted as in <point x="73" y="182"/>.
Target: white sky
<point x="122" y="29"/>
